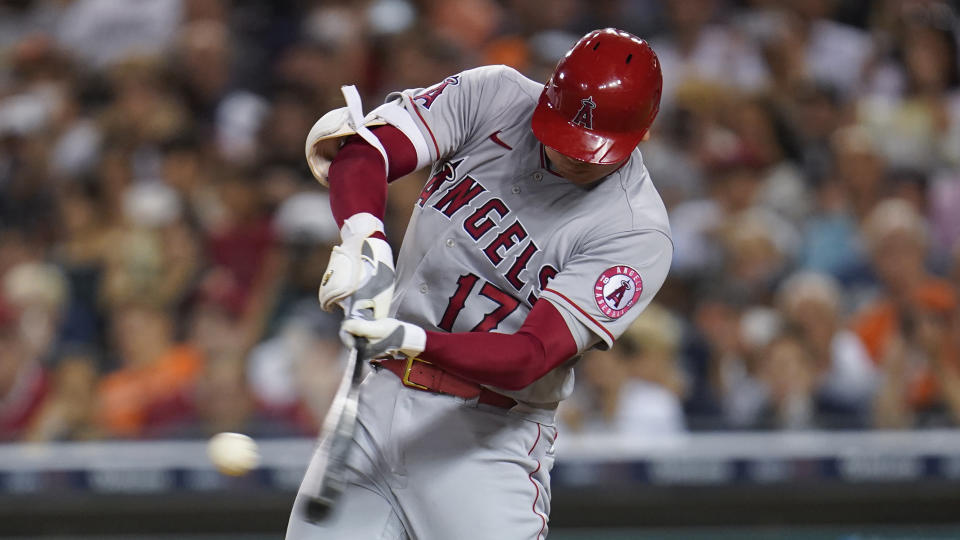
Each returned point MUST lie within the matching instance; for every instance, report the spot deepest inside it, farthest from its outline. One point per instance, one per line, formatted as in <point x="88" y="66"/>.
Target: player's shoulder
<point x="505" y="80"/>
<point x="644" y="208"/>
<point x="624" y="210"/>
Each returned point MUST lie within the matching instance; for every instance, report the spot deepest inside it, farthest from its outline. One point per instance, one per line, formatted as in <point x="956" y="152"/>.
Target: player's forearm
<point x="357" y="179"/>
<point x="509" y="361"/>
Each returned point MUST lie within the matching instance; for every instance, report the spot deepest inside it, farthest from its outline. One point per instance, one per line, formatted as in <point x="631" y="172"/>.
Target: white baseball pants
<point x="427" y="466"/>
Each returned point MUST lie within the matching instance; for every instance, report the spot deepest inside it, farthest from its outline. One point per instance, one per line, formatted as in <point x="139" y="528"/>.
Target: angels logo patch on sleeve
<point x="617" y="289"/>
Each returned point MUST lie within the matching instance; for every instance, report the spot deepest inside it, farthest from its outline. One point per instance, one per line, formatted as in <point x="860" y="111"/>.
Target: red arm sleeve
<point x="356" y="178"/>
<point x="509" y="361"/>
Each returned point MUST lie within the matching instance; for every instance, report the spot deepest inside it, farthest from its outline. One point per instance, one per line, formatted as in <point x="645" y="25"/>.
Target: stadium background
<point x="161" y="241"/>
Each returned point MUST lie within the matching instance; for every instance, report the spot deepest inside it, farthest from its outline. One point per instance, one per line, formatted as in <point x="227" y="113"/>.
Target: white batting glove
<point x="386" y="336"/>
<point x="360" y="274"/>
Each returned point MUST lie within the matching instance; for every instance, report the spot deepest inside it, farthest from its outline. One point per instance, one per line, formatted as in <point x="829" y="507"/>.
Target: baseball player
<point x="538" y="236"/>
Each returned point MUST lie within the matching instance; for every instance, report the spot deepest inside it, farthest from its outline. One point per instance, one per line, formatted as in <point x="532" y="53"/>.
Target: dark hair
<point x="941" y="22"/>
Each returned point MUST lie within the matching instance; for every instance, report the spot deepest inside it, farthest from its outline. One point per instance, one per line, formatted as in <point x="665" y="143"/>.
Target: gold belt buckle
<point x="406" y="373"/>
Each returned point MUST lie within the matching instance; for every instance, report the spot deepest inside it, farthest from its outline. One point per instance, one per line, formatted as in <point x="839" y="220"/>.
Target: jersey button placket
<point x="538" y="176"/>
<point x="451" y="242"/>
<point x="424" y="289"/>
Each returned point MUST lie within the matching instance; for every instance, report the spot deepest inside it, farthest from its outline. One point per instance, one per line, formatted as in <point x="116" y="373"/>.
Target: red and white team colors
<point x="495" y="231"/>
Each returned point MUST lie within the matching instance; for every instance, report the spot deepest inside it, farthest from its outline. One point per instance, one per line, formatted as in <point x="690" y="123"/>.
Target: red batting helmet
<point x="601" y="99"/>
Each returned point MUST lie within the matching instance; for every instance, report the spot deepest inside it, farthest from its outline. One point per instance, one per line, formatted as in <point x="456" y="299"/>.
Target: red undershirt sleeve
<point x="356" y="177"/>
<point x="508" y="361"/>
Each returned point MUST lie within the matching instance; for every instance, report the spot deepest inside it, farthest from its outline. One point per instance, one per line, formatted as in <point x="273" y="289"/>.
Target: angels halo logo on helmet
<point x="584" y="116"/>
<point x="619" y="74"/>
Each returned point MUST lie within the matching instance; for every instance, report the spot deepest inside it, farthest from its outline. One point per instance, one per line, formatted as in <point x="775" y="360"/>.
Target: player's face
<point x="576" y="171"/>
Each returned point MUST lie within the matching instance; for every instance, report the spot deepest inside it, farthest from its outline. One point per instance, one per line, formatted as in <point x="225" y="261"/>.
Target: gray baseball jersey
<point x="494" y="230"/>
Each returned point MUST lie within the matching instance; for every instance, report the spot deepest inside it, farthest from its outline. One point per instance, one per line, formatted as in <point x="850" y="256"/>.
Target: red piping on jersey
<point x="585" y="314"/>
<point x="536" y="441"/>
<point x="426" y="125"/>
<point x="536" y="498"/>
<point x="493" y="137"/>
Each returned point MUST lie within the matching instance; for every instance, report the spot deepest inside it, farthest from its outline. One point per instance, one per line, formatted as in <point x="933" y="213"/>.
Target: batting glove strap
<point x="386" y="336"/>
<point x="339" y="123"/>
<point x="360" y="226"/>
<point x="360" y="274"/>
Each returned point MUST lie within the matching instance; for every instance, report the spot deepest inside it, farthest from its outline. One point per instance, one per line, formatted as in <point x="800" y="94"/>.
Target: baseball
<point x="234" y="454"/>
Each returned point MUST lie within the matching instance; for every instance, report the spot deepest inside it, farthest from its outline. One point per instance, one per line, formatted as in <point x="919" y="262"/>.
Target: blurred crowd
<point x="161" y="238"/>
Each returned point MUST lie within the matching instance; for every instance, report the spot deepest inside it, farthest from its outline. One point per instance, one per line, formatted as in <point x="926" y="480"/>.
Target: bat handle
<point x="318" y="508"/>
<point x="360" y="344"/>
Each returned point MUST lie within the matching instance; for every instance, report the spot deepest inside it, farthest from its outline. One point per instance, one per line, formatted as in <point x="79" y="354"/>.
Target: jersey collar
<point x="545" y="165"/>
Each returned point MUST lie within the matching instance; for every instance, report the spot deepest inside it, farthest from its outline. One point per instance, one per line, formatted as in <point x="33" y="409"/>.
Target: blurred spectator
<point x="890" y="326"/>
<point x="282" y="129"/>
<point x="755" y="258"/>
<point x="218" y="400"/>
<point x="697" y="52"/>
<point x="421" y="58"/>
<point x="337" y="31"/>
<point x="186" y="169"/>
<point x="765" y="135"/>
<point x="915" y="111"/>
<point x="921" y="364"/>
<point x="738" y="343"/>
<point x="471" y="23"/>
<point x="160" y="234"/>
<point x="308" y="232"/>
<point x="213" y="317"/>
<point x="635" y="388"/>
<point x="844" y="375"/>
<point x="203" y="55"/>
<point x="243" y="248"/>
<point x="304" y="218"/>
<point x="701" y="226"/>
<point x="155" y="373"/>
<point x="814" y="112"/>
<point x="68" y="412"/>
<point x="37" y="294"/>
<point x="833" y="52"/>
<point x="24" y="383"/>
<point x="32" y="306"/>
<point x="896" y="238"/>
<point x="832" y="242"/>
<point x="794" y="368"/>
<point x="222" y="400"/>
<point x="294" y="376"/>
<point x="787" y="375"/>
<point x="858" y="171"/>
<point x="528" y="16"/>
<point x="81" y="251"/>
<point x="143" y="113"/>
<point x="154" y="255"/>
<point x="101" y="32"/>
<point x="24" y="18"/>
